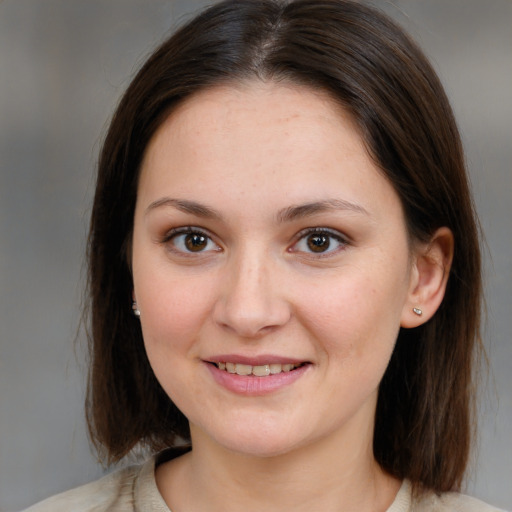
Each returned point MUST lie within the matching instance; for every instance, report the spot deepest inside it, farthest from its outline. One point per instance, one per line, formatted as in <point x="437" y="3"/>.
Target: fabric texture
<point x="134" y="489"/>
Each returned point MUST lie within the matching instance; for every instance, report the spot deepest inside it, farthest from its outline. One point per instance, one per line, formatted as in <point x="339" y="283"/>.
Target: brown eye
<point x="321" y="241"/>
<point x="190" y="240"/>
<point x="195" y="242"/>
<point x="318" y="242"/>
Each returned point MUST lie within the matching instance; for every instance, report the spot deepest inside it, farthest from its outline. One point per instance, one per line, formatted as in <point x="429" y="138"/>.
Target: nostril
<point x="251" y="303"/>
<point x="250" y="324"/>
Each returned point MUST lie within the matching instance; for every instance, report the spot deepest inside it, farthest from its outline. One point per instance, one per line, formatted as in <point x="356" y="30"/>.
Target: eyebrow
<point x="186" y="206"/>
<point x="305" y="210"/>
<point x="287" y="214"/>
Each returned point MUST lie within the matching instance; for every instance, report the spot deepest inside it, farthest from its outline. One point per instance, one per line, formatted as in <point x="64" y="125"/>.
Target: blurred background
<point x="63" y="67"/>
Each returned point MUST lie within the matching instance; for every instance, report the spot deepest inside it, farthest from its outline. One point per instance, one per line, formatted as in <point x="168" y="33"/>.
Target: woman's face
<point x="267" y="242"/>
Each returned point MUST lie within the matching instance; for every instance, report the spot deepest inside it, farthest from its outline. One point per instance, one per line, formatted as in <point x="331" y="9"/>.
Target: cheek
<point x="173" y="309"/>
<point x="355" y="315"/>
<point x="172" y="316"/>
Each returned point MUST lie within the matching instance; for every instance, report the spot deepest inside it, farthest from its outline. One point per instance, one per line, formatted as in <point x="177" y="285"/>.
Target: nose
<point x="252" y="301"/>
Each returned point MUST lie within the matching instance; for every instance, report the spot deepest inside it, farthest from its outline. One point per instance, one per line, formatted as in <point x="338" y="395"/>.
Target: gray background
<point x="63" y="66"/>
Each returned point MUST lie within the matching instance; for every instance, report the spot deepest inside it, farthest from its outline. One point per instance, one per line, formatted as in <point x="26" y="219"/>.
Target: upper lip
<point x="258" y="360"/>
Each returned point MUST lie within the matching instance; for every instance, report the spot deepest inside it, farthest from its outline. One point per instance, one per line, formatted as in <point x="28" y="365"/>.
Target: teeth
<point x="275" y="368"/>
<point x="261" y="371"/>
<point x="243" y="369"/>
<point x="257" y="371"/>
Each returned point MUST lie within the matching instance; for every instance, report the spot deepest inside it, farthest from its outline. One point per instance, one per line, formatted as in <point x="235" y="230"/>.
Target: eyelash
<point x="171" y="236"/>
<point x="329" y="234"/>
<point x="302" y="236"/>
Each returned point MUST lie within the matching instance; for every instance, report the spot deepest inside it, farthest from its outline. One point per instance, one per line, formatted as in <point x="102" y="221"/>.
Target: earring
<point x="135" y="309"/>
<point x="416" y="310"/>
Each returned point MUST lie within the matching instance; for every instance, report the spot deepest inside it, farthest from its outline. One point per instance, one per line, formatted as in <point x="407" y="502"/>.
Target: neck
<point x="329" y="475"/>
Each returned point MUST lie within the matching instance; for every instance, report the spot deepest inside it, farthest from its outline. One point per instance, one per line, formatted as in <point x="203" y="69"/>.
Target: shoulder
<point x="429" y="501"/>
<point x="452" y="502"/>
<point x="113" y="492"/>
<point x="132" y="489"/>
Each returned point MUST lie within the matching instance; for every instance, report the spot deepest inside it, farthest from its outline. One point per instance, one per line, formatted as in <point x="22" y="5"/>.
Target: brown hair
<point x="367" y="63"/>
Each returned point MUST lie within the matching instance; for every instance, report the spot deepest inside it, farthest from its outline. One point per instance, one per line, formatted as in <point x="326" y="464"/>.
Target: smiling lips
<point x="255" y="376"/>
<point x="259" y="370"/>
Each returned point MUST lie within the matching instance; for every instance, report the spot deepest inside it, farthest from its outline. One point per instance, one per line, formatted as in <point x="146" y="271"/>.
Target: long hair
<point x="377" y="73"/>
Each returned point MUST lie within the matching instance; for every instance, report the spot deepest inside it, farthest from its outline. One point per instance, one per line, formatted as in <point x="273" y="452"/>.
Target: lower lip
<point x="250" y="385"/>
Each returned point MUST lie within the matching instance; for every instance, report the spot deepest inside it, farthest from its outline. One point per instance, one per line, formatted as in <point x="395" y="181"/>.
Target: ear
<point x="429" y="276"/>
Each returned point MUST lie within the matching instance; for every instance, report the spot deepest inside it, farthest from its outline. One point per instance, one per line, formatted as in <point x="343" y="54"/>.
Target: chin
<point x="261" y="449"/>
<point x="257" y="442"/>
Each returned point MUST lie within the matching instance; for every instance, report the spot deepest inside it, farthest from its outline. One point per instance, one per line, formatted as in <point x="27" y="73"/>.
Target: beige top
<point x="133" y="489"/>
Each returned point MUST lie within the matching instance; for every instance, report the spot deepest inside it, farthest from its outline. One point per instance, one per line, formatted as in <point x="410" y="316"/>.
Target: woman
<point x="284" y="272"/>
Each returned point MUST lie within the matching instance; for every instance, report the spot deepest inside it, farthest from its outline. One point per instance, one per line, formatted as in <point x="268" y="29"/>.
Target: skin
<point x="237" y="165"/>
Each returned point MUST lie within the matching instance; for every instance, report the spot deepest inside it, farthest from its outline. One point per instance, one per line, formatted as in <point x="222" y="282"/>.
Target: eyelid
<point x="186" y="230"/>
<point x="183" y="230"/>
<point x="321" y="229"/>
<point x="341" y="238"/>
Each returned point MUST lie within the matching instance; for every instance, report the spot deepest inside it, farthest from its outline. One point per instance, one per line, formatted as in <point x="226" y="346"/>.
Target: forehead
<point x="251" y="92"/>
<point x="249" y="152"/>
<point x="244" y="135"/>
<point x="236" y="119"/>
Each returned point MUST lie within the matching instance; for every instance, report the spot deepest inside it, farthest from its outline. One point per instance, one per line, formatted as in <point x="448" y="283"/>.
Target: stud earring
<point x="135" y="309"/>
<point x="416" y="310"/>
